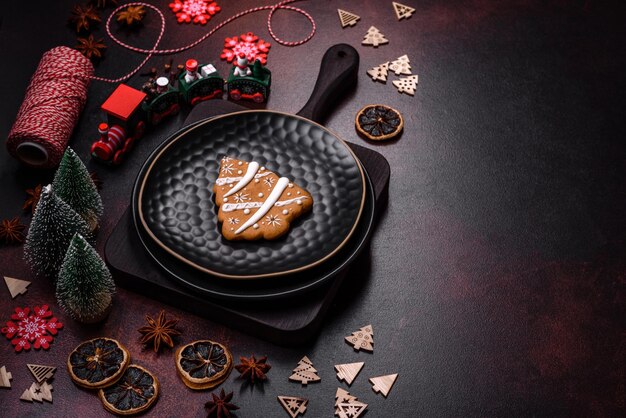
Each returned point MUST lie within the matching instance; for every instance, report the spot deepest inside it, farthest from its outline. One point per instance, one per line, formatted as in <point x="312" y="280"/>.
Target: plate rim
<point x="156" y="155"/>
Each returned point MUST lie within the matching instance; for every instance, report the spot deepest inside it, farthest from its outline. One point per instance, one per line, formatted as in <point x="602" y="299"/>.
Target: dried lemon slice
<point x="379" y="122"/>
<point x="97" y="363"/>
<point x="133" y="393"/>
<point x="203" y="364"/>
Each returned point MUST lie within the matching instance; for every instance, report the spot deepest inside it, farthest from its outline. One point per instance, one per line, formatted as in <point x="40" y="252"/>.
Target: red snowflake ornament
<point x="200" y="11"/>
<point x="248" y="43"/>
<point x="37" y="328"/>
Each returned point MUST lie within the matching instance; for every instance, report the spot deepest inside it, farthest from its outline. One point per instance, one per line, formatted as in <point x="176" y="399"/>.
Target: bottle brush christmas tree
<point x="74" y="185"/>
<point x="51" y="230"/>
<point x="84" y="287"/>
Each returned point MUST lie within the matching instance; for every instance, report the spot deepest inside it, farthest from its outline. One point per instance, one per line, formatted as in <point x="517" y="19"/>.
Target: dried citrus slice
<point x="133" y="393"/>
<point x="203" y="364"/>
<point x="378" y="122"/>
<point x="97" y="363"/>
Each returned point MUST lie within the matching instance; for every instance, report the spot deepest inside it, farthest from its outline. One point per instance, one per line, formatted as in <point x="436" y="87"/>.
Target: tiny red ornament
<point x="248" y="44"/>
<point x="36" y="328"/>
<point x="196" y="11"/>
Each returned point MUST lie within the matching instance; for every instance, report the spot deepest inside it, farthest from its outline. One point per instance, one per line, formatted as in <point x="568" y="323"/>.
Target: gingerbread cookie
<point x="256" y="203"/>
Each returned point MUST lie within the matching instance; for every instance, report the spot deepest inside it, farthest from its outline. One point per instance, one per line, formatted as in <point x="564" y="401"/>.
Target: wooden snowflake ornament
<point x="401" y="65"/>
<point x="5" y="377"/>
<point x="198" y="11"/>
<point x="293" y="405"/>
<point x="41" y="373"/>
<point x="406" y="84"/>
<point x="374" y="38"/>
<point x="348" y="372"/>
<point x="305" y="372"/>
<point x="383" y="384"/>
<point x="379" y="73"/>
<point x="347" y="18"/>
<point x="37" y="328"/>
<point x="16" y="286"/>
<point x="363" y="339"/>
<point x="402" y="11"/>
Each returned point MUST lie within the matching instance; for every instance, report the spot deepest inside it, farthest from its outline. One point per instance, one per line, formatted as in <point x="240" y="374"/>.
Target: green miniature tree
<point x="51" y="230"/>
<point x="84" y="287"/>
<point x="74" y="185"/>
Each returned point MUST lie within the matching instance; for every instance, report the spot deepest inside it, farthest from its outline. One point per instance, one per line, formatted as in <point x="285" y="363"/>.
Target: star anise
<point x="96" y="180"/>
<point x="101" y="4"/>
<point x="159" y="331"/>
<point x="253" y="369"/>
<point x="83" y="16"/>
<point x="11" y="231"/>
<point x="131" y="15"/>
<point x="91" y="47"/>
<point x="33" y="198"/>
<point x="220" y="406"/>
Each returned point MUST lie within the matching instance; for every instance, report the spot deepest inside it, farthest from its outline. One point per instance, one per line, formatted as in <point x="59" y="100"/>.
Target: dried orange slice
<point x="379" y="122"/>
<point x="97" y="363"/>
<point x="203" y="364"/>
<point x="133" y="393"/>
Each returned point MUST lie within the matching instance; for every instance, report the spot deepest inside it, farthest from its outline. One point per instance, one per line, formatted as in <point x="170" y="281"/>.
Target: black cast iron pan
<point x="173" y="202"/>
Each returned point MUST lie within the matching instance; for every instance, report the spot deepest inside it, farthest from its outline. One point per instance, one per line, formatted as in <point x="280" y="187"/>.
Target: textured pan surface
<point x="277" y="287"/>
<point x="174" y="200"/>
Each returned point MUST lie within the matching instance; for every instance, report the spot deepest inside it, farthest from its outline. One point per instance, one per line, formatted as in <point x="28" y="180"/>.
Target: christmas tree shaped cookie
<point x="256" y="203"/>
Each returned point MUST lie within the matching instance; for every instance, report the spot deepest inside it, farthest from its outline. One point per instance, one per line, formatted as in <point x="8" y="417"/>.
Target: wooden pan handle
<point x="338" y="74"/>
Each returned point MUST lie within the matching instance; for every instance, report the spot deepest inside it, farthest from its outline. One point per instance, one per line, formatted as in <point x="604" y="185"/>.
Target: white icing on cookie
<point x="281" y="185"/>
<point x="253" y="167"/>
<point x="228" y="180"/>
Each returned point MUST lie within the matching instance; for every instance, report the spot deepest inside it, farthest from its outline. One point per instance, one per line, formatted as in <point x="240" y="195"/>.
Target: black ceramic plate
<point x="279" y="287"/>
<point x="173" y="200"/>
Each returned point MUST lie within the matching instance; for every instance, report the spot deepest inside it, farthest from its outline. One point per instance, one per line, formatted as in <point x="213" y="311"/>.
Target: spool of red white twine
<point x="54" y="99"/>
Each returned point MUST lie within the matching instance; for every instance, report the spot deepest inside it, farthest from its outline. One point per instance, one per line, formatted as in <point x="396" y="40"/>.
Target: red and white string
<point x="284" y="5"/>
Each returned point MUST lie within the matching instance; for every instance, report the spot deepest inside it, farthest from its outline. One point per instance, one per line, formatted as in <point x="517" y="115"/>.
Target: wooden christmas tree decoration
<point x="402" y="11"/>
<point x="406" y="84"/>
<point x="348" y="372"/>
<point x="343" y="396"/>
<point x="379" y="73"/>
<point x="347" y="18"/>
<point x="383" y="384"/>
<point x="16" y="286"/>
<point x="5" y="378"/>
<point x="40" y="372"/>
<point x="293" y="405"/>
<point x="38" y="393"/>
<point x="305" y="372"/>
<point x="363" y="339"/>
<point x="374" y="38"/>
<point x="401" y="65"/>
<point x="351" y="410"/>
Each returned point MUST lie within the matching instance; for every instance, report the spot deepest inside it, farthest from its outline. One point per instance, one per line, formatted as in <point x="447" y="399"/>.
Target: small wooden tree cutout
<point x="379" y="73"/>
<point x="348" y="372"/>
<point x="383" y="384"/>
<point x="16" y="286"/>
<point x="401" y="65"/>
<point x="40" y="372"/>
<point x="293" y="405"/>
<point x="351" y="410"/>
<point x="305" y="372"/>
<point x="343" y="396"/>
<point x="5" y="377"/>
<point x="38" y="393"/>
<point x="406" y="84"/>
<point x="347" y="18"/>
<point x="363" y="339"/>
<point x="374" y="38"/>
<point x="402" y="11"/>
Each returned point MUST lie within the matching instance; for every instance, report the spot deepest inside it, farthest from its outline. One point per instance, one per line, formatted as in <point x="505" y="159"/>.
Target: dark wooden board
<point x="289" y="322"/>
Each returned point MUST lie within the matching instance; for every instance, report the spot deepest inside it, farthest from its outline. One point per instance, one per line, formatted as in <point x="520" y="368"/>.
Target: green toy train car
<point x="255" y="87"/>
